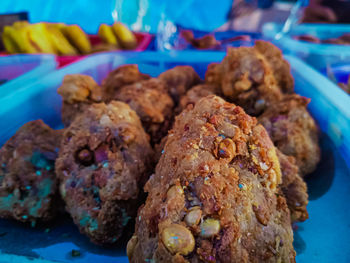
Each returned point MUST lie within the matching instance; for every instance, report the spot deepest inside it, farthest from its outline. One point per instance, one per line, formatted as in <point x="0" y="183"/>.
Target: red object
<point x="143" y="40"/>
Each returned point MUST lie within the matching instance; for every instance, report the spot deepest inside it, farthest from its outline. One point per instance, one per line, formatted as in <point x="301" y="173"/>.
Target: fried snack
<point x="121" y="76"/>
<point x="280" y="67"/>
<point x="253" y="77"/>
<point x="248" y="81"/>
<point x="77" y="38"/>
<point x="106" y="33"/>
<point x="345" y="86"/>
<point x="294" y="188"/>
<point x="125" y="37"/>
<point x="196" y="93"/>
<point x="28" y="184"/>
<point x="213" y="75"/>
<point x="20" y="24"/>
<point x="39" y="37"/>
<point x="78" y="92"/>
<point x="159" y="148"/>
<point x="103" y="47"/>
<point x="153" y="105"/>
<point x="59" y="42"/>
<point x="19" y="35"/>
<point x="204" y="42"/>
<point x="105" y="159"/>
<point x="9" y="43"/>
<point x="214" y="195"/>
<point x="178" y="80"/>
<point x="308" y="38"/>
<point x="293" y="131"/>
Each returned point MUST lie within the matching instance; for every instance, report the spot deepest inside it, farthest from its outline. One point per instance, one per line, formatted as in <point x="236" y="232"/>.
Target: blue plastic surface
<point x="341" y="73"/>
<point x="224" y="36"/>
<point x="19" y="70"/>
<point x="186" y="12"/>
<point x="323" y="238"/>
<point x="318" y="55"/>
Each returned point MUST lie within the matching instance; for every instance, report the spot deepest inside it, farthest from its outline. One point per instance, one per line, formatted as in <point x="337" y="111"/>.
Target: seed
<point x="178" y="239"/>
<point x="227" y="149"/>
<point x="194" y="216"/>
<point x="209" y="227"/>
<point x="131" y="246"/>
<point x="174" y="191"/>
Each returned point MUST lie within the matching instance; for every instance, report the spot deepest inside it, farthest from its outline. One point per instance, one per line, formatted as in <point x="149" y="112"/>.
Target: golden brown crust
<point x="293" y="131"/>
<point x="294" y="188"/>
<point x="121" y="76"/>
<point x="28" y="184"/>
<point x="196" y="93"/>
<point x="213" y="74"/>
<point x="104" y="161"/>
<point x="178" y="80"/>
<point x="252" y="77"/>
<point x="153" y="105"/>
<point x="78" y="92"/>
<point x="213" y="196"/>
<point x="248" y="80"/>
<point x="280" y="67"/>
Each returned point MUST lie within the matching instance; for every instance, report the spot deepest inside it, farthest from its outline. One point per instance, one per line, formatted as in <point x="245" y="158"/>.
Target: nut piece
<point x="131" y="246"/>
<point x="178" y="239"/>
<point x="209" y="227"/>
<point x="174" y="191"/>
<point x="194" y="216"/>
<point x="227" y="149"/>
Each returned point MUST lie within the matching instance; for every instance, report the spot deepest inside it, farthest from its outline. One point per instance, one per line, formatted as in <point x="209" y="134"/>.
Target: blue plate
<point x="325" y="237"/>
<point x="317" y="55"/>
<point x="18" y="70"/>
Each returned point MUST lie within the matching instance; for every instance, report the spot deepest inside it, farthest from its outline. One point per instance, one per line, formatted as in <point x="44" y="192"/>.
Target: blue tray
<point x="182" y="44"/>
<point x="340" y="72"/>
<point x="318" y="55"/>
<point x="323" y="238"/>
<point x="19" y="70"/>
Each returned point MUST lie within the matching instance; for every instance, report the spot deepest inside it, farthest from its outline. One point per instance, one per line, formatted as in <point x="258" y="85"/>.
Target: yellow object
<point x="39" y="37"/>
<point x="77" y="38"/>
<point x="106" y="33"/>
<point x="19" y="24"/>
<point x="59" y="42"/>
<point x="19" y="35"/>
<point x="125" y="37"/>
<point x="9" y="44"/>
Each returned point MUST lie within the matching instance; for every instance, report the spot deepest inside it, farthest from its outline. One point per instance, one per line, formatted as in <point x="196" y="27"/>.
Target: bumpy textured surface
<point x="214" y="195"/>
<point x="178" y="80"/>
<point x="104" y="161"/>
<point x="28" y="184"/>
<point x="280" y="67"/>
<point x="252" y="77"/>
<point x="293" y="131"/>
<point x="294" y="188"/>
<point x="196" y="93"/>
<point x="78" y="92"/>
<point x="121" y="76"/>
<point x="153" y="105"/>
<point x="213" y="75"/>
